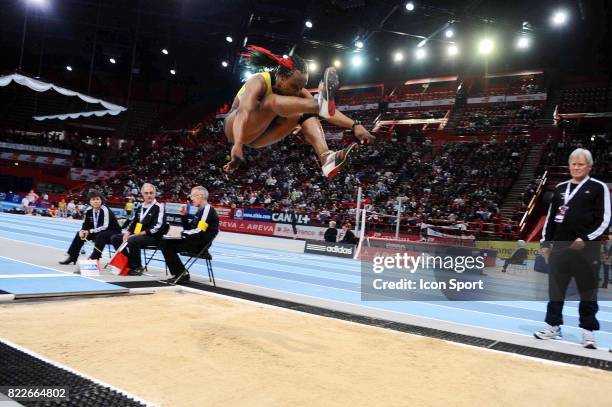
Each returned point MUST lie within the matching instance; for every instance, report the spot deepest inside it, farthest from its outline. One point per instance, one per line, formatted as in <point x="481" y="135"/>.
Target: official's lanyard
<point x="142" y="216"/>
<point x="568" y="197"/>
<point x="96" y="215"/>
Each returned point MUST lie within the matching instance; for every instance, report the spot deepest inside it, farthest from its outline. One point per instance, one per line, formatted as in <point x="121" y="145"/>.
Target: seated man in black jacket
<point x="99" y="226"/>
<point x="146" y="229"/>
<point x="197" y="233"/>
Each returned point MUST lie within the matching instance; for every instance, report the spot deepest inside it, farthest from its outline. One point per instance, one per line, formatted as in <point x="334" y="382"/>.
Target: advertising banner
<point x="329" y="249"/>
<point x="243" y="226"/>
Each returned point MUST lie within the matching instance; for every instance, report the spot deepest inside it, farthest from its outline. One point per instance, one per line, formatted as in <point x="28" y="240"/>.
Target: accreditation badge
<point x="138" y="228"/>
<point x="561" y="213"/>
<point x="202" y="225"/>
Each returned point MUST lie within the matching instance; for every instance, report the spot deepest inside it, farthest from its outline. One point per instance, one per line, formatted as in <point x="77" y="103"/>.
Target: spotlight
<point x="559" y="17"/>
<point x="229" y="39"/>
<point x="452" y="50"/>
<point x="337" y="63"/>
<point x="68" y="68"/>
<point x="359" y="44"/>
<point x="523" y="42"/>
<point x="420" y="53"/>
<point x="112" y="60"/>
<point x="357" y="61"/>
<point x="449" y="33"/>
<point x="485" y="46"/>
<point x="410" y="6"/>
<point x="422" y="43"/>
<point x="39" y="3"/>
<point x="308" y="24"/>
<point x="285" y="56"/>
<point x="313" y="66"/>
<point x="173" y="72"/>
<point x="165" y="51"/>
<point x="224" y="64"/>
<point x="398" y="57"/>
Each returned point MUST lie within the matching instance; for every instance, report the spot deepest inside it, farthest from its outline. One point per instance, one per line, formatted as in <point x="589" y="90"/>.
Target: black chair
<point x="150" y="257"/>
<point x="202" y="254"/>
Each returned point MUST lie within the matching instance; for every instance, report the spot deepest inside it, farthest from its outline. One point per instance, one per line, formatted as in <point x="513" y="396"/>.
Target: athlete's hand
<point x="577" y="244"/>
<point x="236" y="161"/>
<point x="363" y="135"/>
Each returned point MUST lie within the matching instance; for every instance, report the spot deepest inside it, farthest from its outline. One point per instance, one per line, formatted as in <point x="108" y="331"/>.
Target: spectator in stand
<point x="25" y="205"/>
<point x="32" y="198"/>
<point x="71" y="208"/>
<point x="52" y="211"/>
<point x="129" y="208"/>
<point x="331" y="234"/>
<point x="61" y="208"/>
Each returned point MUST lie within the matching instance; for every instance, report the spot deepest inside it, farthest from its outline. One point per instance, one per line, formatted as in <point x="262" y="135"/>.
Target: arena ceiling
<point x="63" y="32"/>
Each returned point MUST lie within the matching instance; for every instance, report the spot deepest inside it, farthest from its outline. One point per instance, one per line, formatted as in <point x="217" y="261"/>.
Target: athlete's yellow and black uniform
<point x="270" y="79"/>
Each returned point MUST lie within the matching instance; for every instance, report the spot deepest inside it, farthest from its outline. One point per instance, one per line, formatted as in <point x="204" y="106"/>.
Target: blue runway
<point x="322" y="277"/>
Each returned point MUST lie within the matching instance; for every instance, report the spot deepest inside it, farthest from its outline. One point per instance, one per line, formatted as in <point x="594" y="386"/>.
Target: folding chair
<point x="151" y="257"/>
<point x="202" y="254"/>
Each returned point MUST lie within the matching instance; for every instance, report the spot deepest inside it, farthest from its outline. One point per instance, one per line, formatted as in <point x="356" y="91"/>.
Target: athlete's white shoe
<point x="550" y="332"/>
<point x="588" y="340"/>
<point x="336" y="160"/>
<point x="327" y="90"/>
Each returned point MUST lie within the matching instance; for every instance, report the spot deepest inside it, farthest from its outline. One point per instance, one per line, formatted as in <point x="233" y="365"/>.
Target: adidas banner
<point x="329" y="249"/>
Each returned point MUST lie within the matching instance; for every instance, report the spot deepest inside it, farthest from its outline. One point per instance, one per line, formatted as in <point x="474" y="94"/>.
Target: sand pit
<point x="182" y="349"/>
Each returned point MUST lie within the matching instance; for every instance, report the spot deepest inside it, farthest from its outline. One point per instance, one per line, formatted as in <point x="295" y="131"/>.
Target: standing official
<point x="99" y="226"/>
<point x="578" y="215"/>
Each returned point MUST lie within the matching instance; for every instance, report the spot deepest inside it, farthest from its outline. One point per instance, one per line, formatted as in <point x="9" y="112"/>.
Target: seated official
<point x="196" y="234"/>
<point x="99" y="226"/>
<point x="331" y="234"/>
<point x="518" y="257"/>
<point x="146" y="229"/>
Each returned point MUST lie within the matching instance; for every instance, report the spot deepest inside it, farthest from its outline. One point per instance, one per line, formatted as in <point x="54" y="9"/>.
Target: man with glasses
<point x="197" y="233"/>
<point x="146" y="229"/>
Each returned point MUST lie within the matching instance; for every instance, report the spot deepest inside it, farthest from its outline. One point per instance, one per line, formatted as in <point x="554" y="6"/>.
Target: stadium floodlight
<point x="422" y="43"/>
<point x="164" y="51"/>
<point x="357" y="61"/>
<point x="285" y="56"/>
<point x="523" y="42"/>
<point x="449" y="33"/>
<point x="398" y="57"/>
<point x="410" y="6"/>
<point x="452" y="50"/>
<point x="559" y="17"/>
<point x="337" y="63"/>
<point x="485" y="46"/>
<point x="39" y="3"/>
<point x="68" y="68"/>
<point x="359" y="44"/>
<point x="229" y="39"/>
<point x="313" y="66"/>
<point x="308" y="24"/>
<point x="224" y="64"/>
<point x="112" y="60"/>
<point x="173" y="72"/>
<point x="420" y="53"/>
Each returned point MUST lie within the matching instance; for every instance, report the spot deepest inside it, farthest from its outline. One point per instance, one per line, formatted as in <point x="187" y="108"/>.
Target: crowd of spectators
<point x="507" y="118"/>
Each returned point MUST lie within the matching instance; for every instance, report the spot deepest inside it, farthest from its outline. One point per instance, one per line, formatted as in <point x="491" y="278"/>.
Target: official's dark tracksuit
<point x="153" y="224"/>
<point x="587" y="217"/>
<point x="194" y="239"/>
<point x="102" y="225"/>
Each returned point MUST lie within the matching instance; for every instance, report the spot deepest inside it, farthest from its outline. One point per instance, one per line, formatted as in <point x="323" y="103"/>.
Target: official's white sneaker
<point x="550" y="332"/>
<point x="327" y="90"/>
<point x="588" y="339"/>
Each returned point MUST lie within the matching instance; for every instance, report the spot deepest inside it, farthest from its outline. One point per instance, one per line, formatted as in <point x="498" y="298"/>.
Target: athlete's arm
<point x="254" y="90"/>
